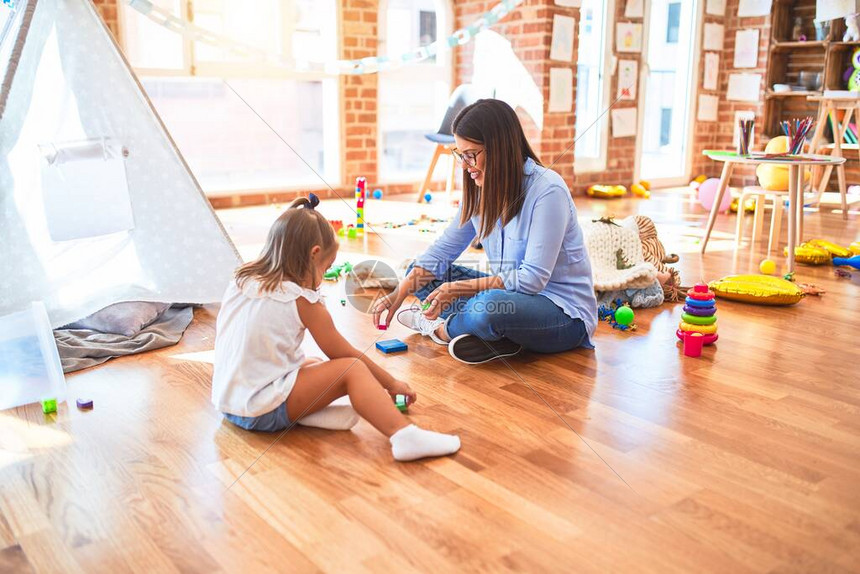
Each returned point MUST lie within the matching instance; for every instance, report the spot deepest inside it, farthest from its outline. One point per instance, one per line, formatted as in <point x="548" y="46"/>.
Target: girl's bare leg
<point x="318" y="384"/>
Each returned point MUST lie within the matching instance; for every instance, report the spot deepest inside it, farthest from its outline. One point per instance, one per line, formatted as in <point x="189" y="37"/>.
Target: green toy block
<point x="400" y="403"/>
<point x="352" y="233"/>
<point x="49" y="406"/>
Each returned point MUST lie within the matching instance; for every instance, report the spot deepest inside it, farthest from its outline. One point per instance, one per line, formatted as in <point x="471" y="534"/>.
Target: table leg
<point x="792" y="216"/>
<point x="823" y="110"/>
<point x="843" y="189"/>
<point x="724" y="183"/>
<point x="801" y="199"/>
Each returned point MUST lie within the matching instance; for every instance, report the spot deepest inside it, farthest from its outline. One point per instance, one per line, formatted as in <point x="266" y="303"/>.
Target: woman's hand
<point x="388" y="305"/>
<point x="444" y="296"/>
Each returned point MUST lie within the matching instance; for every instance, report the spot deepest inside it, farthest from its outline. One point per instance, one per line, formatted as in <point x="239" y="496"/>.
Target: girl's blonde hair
<point x="287" y="253"/>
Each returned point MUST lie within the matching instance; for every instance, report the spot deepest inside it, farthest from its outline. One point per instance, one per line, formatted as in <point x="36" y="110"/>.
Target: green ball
<point x="624" y="315"/>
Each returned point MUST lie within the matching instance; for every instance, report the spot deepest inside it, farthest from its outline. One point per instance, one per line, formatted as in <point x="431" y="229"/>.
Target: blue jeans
<point x="273" y="421"/>
<point x="532" y="321"/>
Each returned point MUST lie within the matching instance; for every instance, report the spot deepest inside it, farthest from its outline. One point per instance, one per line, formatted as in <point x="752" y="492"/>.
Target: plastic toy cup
<point x="693" y="343"/>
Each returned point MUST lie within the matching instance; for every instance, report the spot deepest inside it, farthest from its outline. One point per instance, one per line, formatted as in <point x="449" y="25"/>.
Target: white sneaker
<point x="415" y="320"/>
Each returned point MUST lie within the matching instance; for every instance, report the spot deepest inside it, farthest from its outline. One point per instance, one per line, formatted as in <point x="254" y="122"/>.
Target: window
<point x="228" y="147"/>
<point x="673" y="22"/>
<point x="412" y="98"/>
<point x="665" y="125"/>
<point x="592" y="88"/>
<point x="427" y="32"/>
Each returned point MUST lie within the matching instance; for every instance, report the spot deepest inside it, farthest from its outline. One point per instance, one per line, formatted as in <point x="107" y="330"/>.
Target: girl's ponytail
<point x="309" y="202"/>
<point x="286" y="254"/>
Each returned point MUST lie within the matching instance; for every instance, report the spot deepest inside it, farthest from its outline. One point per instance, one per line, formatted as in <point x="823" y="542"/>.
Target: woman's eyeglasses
<point x="469" y="158"/>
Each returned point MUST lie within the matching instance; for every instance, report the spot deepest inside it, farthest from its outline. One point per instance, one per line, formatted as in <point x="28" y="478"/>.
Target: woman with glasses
<point x="539" y="294"/>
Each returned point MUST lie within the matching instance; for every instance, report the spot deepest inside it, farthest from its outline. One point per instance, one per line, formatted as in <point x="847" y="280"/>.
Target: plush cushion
<point x="127" y="318"/>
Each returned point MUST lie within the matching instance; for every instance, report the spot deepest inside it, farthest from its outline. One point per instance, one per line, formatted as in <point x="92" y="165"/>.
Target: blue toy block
<point x="391" y="346"/>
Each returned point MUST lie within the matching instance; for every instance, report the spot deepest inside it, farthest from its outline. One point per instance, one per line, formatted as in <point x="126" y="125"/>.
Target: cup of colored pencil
<point x="745" y="131"/>
<point x="796" y="131"/>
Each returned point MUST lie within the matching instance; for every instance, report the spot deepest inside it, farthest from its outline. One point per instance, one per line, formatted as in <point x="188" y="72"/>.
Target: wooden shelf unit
<point x="788" y="58"/>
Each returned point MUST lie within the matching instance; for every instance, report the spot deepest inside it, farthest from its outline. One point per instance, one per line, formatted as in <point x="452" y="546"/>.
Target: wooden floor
<point x="629" y="458"/>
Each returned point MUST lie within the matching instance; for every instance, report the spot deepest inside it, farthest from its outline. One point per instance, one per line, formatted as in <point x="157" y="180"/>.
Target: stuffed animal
<point x="852" y="28"/>
<point x="853" y="73"/>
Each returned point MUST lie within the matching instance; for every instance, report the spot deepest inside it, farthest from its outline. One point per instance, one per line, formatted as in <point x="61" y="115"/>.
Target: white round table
<point x="795" y="186"/>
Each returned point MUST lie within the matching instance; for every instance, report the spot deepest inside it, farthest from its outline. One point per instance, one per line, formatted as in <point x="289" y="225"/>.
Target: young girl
<point x="262" y="381"/>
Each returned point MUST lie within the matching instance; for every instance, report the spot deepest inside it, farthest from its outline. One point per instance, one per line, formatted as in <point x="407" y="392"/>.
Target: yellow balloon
<point x="775" y="177"/>
<point x="639" y="190"/>
<point x="606" y="191"/>
<point x="768" y="267"/>
<point x="760" y="289"/>
<point x="749" y="204"/>
<point x="806" y="253"/>
<point x="772" y="177"/>
<point x="855" y="248"/>
<point x="779" y="144"/>
<point x="832" y="248"/>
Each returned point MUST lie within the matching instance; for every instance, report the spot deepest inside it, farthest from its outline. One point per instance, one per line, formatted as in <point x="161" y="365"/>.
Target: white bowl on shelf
<point x="781" y="88"/>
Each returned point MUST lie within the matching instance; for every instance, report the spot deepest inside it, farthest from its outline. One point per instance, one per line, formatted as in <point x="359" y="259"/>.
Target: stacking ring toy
<point x="703" y="329"/>
<point x="709" y="339"/>
<point x="698" y="303"/>
<point x="693" y="320"/>
<point x="700" y="311"/>
<point x="707" y="295"/>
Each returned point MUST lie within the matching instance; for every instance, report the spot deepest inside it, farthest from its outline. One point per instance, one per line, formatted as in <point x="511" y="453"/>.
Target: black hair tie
<point x="313" y="200"/>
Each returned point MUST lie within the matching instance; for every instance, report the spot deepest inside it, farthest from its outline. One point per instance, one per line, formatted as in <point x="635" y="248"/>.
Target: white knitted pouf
<point x="616" y="255"/>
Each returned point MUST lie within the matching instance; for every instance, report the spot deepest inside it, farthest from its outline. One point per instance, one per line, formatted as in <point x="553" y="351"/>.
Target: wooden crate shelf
<point x="829" y="57"/>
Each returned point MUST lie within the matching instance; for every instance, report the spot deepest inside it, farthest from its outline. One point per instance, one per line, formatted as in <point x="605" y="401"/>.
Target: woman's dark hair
<point x="495" y="125"/>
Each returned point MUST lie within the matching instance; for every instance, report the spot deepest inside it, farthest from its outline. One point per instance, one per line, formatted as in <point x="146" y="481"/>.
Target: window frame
<point x="599" y="163"/>
<point x="444" y="60"/>
<point x="333" y="119"/>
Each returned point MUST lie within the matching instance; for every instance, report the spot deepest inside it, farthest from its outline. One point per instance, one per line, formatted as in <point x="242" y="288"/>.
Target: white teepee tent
<point x="97" y="205"/>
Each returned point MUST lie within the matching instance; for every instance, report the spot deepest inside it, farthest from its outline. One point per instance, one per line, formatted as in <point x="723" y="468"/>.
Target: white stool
<point x="777" y="199"/>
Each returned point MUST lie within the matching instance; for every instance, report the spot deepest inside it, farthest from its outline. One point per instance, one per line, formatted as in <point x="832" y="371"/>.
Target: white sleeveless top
<point x="258" y="339"/>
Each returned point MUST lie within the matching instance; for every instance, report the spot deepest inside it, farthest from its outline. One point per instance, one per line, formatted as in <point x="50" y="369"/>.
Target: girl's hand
<point x="388" y="305"/>
<point x="401" y="388"/>
<point x="443" y="297"/>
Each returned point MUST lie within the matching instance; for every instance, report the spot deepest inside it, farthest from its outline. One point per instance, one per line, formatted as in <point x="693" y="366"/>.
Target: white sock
<point x="339" y="415"/>
<point x="411" y="443"/>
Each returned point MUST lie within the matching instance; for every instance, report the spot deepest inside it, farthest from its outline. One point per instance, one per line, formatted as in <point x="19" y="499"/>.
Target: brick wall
<point x="529" y="29"/>
<point x="359" y="39"/>
<point x="108" y="11"/>
<point x="620" y="152"/>
<point x="722" y="139"/>
<point x="705" y="136"/>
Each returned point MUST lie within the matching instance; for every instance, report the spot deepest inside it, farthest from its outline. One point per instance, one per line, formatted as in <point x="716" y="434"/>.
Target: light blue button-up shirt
<point x="539" y="252"/>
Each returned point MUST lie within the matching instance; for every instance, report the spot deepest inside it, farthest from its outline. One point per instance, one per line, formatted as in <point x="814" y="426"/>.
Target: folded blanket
<point x="83" y="348"/>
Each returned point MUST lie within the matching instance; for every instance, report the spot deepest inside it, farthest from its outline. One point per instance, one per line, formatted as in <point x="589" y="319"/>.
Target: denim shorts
<point x="273" y="421"/>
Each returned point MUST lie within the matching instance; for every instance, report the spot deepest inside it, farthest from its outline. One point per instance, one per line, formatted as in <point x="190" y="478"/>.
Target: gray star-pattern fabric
<point x="70" y="83"/>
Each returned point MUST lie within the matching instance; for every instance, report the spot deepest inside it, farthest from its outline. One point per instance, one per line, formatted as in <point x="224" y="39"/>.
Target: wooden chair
<point x="827" y="108"/>
<point x="777" y="199"/>
<point x="464" y="95"/>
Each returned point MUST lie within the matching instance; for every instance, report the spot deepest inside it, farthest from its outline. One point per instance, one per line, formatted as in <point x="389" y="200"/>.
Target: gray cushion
<point x="126" y="318"/>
